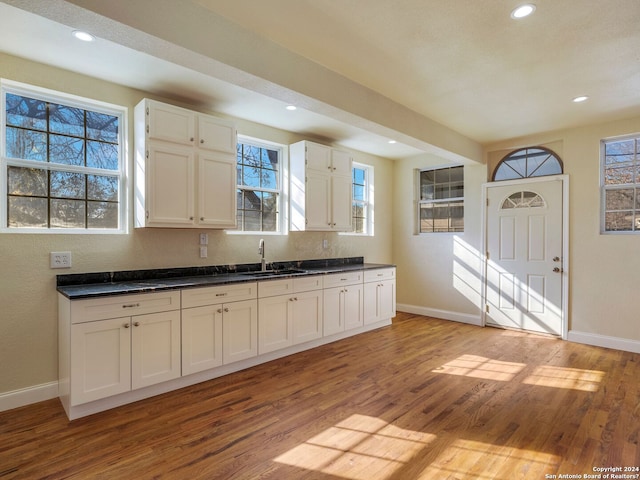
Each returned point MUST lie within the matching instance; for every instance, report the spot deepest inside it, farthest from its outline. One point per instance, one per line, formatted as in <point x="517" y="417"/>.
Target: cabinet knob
<point x="190" y="218"/>
<point x="219" y="310"/>
<point x="136" y="324"/>
<point x="201" y="140"/>
<point x="202" y="219"/>
<point x="126" y="325"/>
<point x="226" y="309"/>
<point x="191" y="139"/>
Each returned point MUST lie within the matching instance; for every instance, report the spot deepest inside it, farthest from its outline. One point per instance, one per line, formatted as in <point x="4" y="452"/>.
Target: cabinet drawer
<point x="198" y="297"/>
<point x="345" y="278"/>
<point x="306" y="284"/>
<point x="379" y="274"/>
<point x="89" y="310"/>
<point x="271" y="288"/>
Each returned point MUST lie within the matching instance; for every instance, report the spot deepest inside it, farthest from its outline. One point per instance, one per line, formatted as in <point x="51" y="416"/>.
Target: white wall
<point x="28" y="322"/>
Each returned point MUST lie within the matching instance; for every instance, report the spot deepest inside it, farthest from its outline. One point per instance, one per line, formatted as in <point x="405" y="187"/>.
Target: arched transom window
<point x="526" y="163"/>
<point x="522" y="200"/>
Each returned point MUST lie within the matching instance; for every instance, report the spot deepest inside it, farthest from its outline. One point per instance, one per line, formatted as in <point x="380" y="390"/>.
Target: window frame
<point x="419" y="201"/>
<point x="604" y="188"/>
<point x="283" y="195"/>
<point x="74" y="101"/>
<point x="368" y="203"/>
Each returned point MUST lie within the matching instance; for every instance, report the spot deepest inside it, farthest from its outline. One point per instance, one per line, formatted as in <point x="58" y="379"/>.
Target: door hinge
<point x="486" y="308"/>
<point x="147" y="154"/>
<point x="147" y="128"/>
<point x="487" y="201"/>
<point x="487" y="255"/>
<point x="147" y="110"/>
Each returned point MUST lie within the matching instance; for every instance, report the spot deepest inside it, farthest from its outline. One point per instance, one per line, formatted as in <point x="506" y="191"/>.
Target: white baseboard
<point x="444" y="314"/>
<point x="605" y="341"/>
<point x="27" y="396"/>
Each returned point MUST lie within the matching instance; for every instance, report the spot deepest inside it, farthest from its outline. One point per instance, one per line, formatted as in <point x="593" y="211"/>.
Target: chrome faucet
<point x="263" y="264"/>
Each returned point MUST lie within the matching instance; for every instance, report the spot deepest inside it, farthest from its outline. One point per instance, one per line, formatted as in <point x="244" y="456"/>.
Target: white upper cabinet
<point x="321" y="193"/>
<point x="185" y="172"/>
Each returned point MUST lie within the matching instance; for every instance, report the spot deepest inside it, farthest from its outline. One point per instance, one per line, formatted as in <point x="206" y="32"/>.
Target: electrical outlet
<point x="204" y="239"/>
<point x="60" y="260"/>
<point x="203" y="251"/>
<point x="325" y="243"/>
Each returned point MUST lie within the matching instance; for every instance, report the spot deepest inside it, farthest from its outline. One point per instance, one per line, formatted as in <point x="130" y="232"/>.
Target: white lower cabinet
<point x="379" y="295"/>
<point x="343" y="304"/>
<point x="108" y="356"/>
<point x="219" y="326"/>
<point x="290" y="313"/>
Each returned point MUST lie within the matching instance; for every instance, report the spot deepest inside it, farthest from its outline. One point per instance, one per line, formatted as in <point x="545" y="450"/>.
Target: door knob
<point x="557" y="270"/>
<point x="556" y="259"/>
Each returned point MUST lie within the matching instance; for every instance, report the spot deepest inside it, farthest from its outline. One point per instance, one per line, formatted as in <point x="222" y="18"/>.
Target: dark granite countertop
<point x="78" y="286"/>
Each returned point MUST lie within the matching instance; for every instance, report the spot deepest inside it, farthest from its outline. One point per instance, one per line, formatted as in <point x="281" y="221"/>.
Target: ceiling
<point x="463" y="69"/>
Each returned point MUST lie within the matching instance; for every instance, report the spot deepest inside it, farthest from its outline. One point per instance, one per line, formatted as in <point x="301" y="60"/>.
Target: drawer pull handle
<point x="381" y="274"/>
<point x="344" y="279"/>
<point x="131" y="305"/>
<point x="221" y="294"/>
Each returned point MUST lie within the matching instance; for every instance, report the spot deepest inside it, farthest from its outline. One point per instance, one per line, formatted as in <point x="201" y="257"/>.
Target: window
<point x="63" y="166"/>
<point x="259" y="186"/>
<point x="620" y="184"/>
<point x="527" y="163"/>
<point x="441" y="200"/>
<point x="362" y="208"/>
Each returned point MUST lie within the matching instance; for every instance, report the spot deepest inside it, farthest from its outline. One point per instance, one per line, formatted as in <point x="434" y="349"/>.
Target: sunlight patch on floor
<point x="478" y="460"/>
<point x="359" y="448"/>
<point x="561" y="377"/>
<point x="481" y="367"/>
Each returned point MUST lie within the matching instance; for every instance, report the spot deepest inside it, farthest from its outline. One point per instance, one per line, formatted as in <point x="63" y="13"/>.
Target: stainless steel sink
<point x="270" y="273"/>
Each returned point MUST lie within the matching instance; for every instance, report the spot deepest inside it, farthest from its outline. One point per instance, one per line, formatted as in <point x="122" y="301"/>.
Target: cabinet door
<point x="332" y="312"/>
<point x="341" y="203"/>
<point x="274" y="323"/>
<point x="239" y="331"/>
<point x="216" y="134"/>
<point x="318" y="201"/>
<point x="155" y="348"/>
<point x="353" y="304"/>
<point x="371" y="302"/>
<point x="341" y="163"/>
<point x="387" y="299"/>
<point x="307" y="316"/>
<point x="169" y="123"/>
<point x="170" y="185"/>
<point x="318" y="157"/>
<point x="101" y="359"/>
<point x="201" y="338"/>
<point x="216" y="190"/>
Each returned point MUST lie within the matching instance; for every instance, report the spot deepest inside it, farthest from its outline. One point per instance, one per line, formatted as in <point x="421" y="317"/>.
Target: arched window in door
<point x="527" y="163"/>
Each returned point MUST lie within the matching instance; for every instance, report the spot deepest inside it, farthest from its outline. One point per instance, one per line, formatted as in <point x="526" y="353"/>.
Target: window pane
<point x="442" y="192"/>
<point x="426" y="218"/>
<point x="103" y="127"/>
<point x="457" y="174"/>
<point x="358" y="225"/>
<point x="269" y="221"/>
<point x="251" y="221"/>
<point x="27" y="181"/>
<point x="619" y="199"/>
<point x="250" y="176"/>
<point x="358" y="176"/>
<point x="27" y="212"/>
<point x="427" y="192"/>
<point x="26" y="144"/>
<point x="102" y="215"/>
<point x="618" y="221"/>
<point x="67" y="185"/>
<point x="102" y="187"/>
<point x="358" y="192"/>
<point x="456" y="210"/>
<point x="616" y="152"/>
<point x="66" y="150"/>
<point x="442" y="175"/>
<point x="616" y="175"/>
<point x="269" y="179"/>
<point x="102" y="155"/>
<point x="251" y="200"/>
<point x="269" y="158"/>
<point x="441" y="217"/>
<point x="26" y="112"/>
<point x="66" y="120"/>
<point x="67" y="213"/>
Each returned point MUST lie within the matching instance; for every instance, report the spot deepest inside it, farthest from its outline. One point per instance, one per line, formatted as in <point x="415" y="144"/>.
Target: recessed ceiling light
<point x="392" y="141"/>
<point x="581" y="98"/>
<point x="84" y="36"/>
<point x="291" y="107"/>
<point x="523" y="11"/>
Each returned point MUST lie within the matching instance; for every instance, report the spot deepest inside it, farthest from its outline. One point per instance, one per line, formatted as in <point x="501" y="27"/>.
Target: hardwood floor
<point x="421" y="399"/>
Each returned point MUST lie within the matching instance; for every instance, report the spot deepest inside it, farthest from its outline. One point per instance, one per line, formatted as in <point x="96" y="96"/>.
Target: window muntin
<point x="362" y="203"/>
<point x="441" y="200"/>
<point x="620" y="185"/>
<point x="62" y="163"/>
<point x="259" y="168"/>
<point x="527" y="163"/>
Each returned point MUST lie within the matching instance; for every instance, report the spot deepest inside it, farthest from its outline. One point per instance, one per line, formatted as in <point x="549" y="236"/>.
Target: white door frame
<point x="565" y="242"/>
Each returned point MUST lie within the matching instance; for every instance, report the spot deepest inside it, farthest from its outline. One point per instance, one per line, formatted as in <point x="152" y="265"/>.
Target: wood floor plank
<point x="421" y="399"/>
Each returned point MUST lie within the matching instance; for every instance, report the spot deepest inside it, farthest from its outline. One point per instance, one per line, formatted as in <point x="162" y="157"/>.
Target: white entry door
<point x="524" y="272"/>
